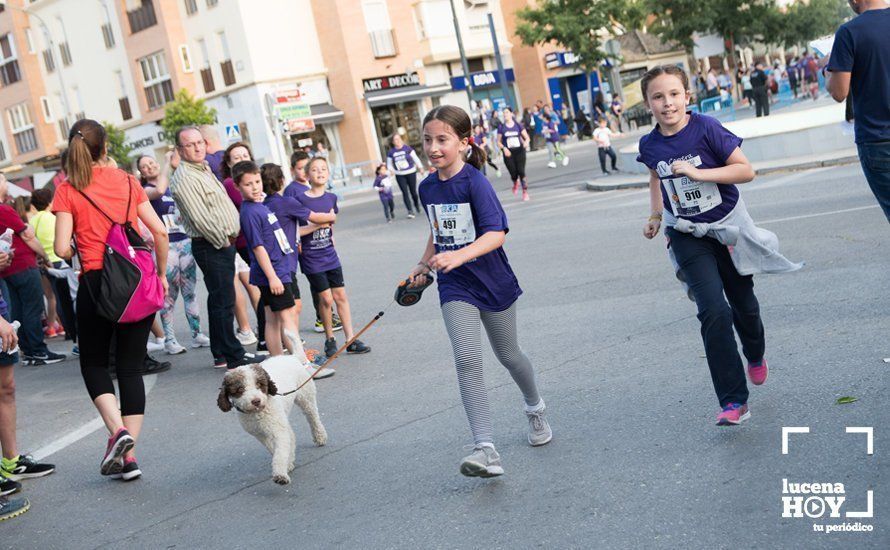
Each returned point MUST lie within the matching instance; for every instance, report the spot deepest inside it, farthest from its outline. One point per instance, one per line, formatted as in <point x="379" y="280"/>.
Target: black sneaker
<point x="130" y="472"/>
<point x="8" y="486"/>
<point x="26" y="468"/>
<point x="40" y="359"/>
<point x="261" y="349"/>
<point x="153" y="366"/>
<point x="358" y="347"/>
<point x="330" y="347"/>
<point x="246" y="359"/>
<point x="12" y="507"/>
<point x="336" y="323"/>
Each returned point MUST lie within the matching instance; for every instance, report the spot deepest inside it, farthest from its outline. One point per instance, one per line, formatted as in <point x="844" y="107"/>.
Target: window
<point x="65" y="52"/>
<point x="22" y="128"/>
<point x="124" y="100"/>
<point x="186" y="58"/>
<point x="191" y="7"/>
<point x="228" y="71"/>
<point x="29" y="39"/>
<point x="158" y="87"/>
<point x="379" y="28"/>
<point x="9" y="65"/>
<point x="141" y="16"/>
<point x="477" y="14"/>
<point x="48" y="61"/>
<point x="206" y="71"/>
<point x="107" y="36"/>
<point x="47" y="112"/>
<point x="212" y="3"/>
<point x="3" y="156"/>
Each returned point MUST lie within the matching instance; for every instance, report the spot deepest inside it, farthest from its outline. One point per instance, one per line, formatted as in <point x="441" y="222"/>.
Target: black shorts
<point x="319" y="282"/>
<point x="279" y="302"/>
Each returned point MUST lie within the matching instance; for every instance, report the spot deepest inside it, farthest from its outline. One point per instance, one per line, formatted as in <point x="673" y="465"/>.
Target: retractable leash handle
<point x="407" y="295"/>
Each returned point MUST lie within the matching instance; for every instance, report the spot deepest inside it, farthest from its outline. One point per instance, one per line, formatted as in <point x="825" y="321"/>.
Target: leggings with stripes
<point x="462" y="320"/>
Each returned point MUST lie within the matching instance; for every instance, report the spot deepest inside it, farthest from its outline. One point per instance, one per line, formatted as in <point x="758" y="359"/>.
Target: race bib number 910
<point x="691" y="198"/>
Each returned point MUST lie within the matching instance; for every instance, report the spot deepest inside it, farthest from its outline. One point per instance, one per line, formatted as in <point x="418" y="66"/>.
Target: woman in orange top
<point x="89" y="173"/>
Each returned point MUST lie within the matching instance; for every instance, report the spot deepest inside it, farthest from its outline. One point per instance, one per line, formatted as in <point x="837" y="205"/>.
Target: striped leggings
<point x="462" y="321"/>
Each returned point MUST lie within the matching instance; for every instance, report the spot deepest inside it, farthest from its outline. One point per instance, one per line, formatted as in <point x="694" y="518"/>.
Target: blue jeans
<point x="218" y="267"/>
<point x="875" y="161"/>
<point x="707" y="268"/>
<point x="26" y="306"/>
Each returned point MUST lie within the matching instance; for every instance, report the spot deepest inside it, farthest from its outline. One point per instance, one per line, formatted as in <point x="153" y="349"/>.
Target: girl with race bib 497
<point x="695" y="164"/>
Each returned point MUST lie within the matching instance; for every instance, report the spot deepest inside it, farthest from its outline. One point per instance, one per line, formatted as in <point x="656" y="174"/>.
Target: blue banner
<point x="482" y="79"/>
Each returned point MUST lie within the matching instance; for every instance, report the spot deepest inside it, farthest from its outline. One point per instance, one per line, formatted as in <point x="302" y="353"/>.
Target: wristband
<point x="655" y="217"/>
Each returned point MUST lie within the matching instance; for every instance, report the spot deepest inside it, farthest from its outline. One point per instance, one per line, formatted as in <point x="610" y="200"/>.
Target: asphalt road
<point x="636" y="460"/>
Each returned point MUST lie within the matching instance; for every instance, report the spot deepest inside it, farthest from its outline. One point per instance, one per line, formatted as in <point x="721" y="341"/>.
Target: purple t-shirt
<point x="318" y="253"/>
<point x="705" y="143"/>
<point x="261" y="228"/>
<point x="290" y="213"/>
<point x="553" y="127"/>
<point x="401" y="158"/>
<point x="511" y="136"/>
<point x="294" y="189"/>
<point x="215" y="162"/>
<point x="386" y="194"/>
<point x="167" y="210"/>
<point x="460" y="210"/>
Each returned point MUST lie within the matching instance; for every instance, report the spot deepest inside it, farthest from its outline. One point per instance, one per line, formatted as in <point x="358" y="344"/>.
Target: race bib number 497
<point x="452" y="224"/>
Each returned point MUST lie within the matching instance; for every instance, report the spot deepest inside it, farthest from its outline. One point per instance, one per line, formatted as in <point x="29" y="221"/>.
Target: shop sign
<point x="560" y="59"/>
<point x="390" y="82"/>
<point x="293" y="111"/>
<point x="482" y="79"/>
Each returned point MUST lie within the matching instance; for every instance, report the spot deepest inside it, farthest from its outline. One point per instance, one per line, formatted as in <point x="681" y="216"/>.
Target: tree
<point x="805" y="21"/>
<point x="575" y="25"/>
<point x="185" y="110"/>
<point x="118" y="148"/>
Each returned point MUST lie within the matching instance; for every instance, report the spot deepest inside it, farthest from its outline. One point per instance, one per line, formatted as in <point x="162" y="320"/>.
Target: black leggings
<point x="408" y="185"/>
<point x="95" y="344"/>
<point x="516" y="165"/>
<point x="260" y="305"/>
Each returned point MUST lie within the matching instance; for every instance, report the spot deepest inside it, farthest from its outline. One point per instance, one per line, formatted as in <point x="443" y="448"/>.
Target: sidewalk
<point x="806" y="162"/>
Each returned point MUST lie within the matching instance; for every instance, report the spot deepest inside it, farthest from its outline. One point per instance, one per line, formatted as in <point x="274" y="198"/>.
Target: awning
<point x="325" y="113"/>
<point x="378" y="98"/>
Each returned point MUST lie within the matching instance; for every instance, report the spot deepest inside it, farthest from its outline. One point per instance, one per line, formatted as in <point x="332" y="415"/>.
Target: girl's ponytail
<point x="476" y="156"/>
<point x="86" y="145"/>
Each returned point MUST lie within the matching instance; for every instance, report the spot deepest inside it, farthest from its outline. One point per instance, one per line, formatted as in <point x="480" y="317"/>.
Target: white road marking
<point x="73" y="437"/>
<point x="805" y="216"/>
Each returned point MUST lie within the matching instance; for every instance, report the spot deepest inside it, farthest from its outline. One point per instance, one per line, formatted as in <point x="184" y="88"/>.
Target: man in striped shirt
<point x="211" y="220"/>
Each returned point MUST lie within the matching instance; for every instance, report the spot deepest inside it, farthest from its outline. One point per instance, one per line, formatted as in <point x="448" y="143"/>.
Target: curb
<point x="808" y="165"/>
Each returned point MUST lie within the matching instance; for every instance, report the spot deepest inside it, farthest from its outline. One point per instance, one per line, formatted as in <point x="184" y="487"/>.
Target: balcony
<point x="25" y="141"/>
<point x="142" y="17"/>
<point x="383" y="43"/>
<point x="228" y="72"/>
<point x="207" y="80"/>
<point x="124" y="103"/>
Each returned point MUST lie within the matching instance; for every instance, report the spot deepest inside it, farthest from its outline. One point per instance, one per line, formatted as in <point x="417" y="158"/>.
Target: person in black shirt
<point x="758" y="83"/>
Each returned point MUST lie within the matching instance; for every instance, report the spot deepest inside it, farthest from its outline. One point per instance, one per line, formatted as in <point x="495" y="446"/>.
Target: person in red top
<point x="25" y="291"/>
<point x="121" y="198"/>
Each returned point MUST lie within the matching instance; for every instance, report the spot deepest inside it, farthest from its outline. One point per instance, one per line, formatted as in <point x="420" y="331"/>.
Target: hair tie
<point x="472" y="141"/>
<point x="79" y="133"/>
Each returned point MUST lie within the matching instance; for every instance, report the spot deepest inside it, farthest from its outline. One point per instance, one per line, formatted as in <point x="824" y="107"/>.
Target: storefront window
<point x="390" y="118"/>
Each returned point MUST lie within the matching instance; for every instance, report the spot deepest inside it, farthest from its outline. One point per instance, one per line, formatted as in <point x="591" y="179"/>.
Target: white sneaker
<point x="484" y="462"/>
<point x="322" y="373"/>
<point x="565" y="161"/>
<point x="498" y="173"/>
<point x="539" y="432"/>
<point x="246" y="337"/>
<point x="155" y="344"/>
<point x="173" y="347"/>
<point x="551" y="165"/>
<point x="199" y="340"/>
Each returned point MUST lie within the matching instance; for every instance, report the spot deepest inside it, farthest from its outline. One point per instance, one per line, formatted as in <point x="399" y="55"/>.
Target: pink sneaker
<point x="758" y="372"/>
<point x="733" y="414"/>
<point x="515" y="187"/>
<point x="118" y="445"/>
<point x="525" y="196"/>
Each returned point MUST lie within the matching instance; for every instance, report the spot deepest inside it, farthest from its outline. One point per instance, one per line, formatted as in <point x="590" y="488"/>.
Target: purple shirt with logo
<point x="705" y="143"/>
<point x="511" y="136"/>
<point x="386" y="194"/>
<point x="460" y="210"/>
<point x="401" y="158"/>
<point x="261" y="228"/>
<point x="290" y="213"/>
<point x="295" y="188"/>
<point x="318" y="250"/>
<point x="166" y="209"/>
<point x="553" y="128"/>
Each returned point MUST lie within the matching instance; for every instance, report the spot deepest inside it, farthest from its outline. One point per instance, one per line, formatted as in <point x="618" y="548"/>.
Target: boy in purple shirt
<point x="319" y="260"/>
<point x="384" y="187"/>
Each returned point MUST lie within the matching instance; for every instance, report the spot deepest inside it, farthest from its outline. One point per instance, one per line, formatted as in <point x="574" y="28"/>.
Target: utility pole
<point x="502" y="74"/>
<point x="463" y="55"/>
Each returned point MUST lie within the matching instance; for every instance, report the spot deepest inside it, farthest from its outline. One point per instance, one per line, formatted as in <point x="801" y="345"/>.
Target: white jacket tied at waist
<point x="752" y="249"/>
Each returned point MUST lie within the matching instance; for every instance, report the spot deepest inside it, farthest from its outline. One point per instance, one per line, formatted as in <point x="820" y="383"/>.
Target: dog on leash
<point x="255" y="391"/>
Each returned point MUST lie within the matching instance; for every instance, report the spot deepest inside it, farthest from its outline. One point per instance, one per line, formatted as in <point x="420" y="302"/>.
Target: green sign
<point x="291" y="111"/>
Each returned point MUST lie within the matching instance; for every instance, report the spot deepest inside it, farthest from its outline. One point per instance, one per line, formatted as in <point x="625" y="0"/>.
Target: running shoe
<point x="411" y="215"/>
<point x="551" y="164"/>
<point x="246" y="337"/>
<point x="118" y="445"/>
<point x="733" y="414"/>
<point x="246" y="359"/>
<point x="335" y="320"/>
<point x="483" y="462"/>
<point x="525" y="196"/>
<point x="8" y="486"/>
<point x="565" y="161"/>
<point x="25" y="467"/>
<point x="49" y="332"/>
<point x="150" y="365"/>
<point x="261" y="349"/>
<point x="358" y="347"/>
<point x="515" y="187"/>
<point x="40" y="359"/>
<point x="173" y="347"/>
<point x="322" y="372"/>
<point x="12" y="507"/>
<point x="539" y="432"/>
<point x="155" y="344"/>
<point x="129" y="472"/>
<point x="330" y="347"/>
<point x="758" y="372"/>
<point x="75" y="351"/>
<point x="219" y="363"/>
<point x="200" y="340"/>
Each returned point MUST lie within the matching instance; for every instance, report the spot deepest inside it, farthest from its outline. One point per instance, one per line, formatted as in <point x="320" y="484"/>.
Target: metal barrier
<point x="352" y="177"/>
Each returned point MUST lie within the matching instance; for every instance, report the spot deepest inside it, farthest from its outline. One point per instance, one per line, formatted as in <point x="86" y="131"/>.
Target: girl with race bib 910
<point x="476" y="284"/>
<point x="695" y="164"/>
